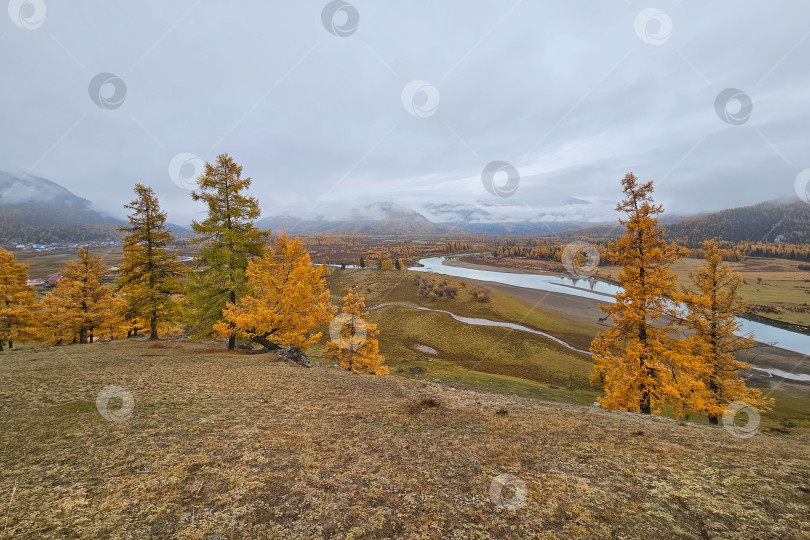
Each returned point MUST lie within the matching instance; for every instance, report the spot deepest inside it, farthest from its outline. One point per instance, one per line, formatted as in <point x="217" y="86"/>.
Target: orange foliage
<point x="711" y="318"/>
<point x="287" y="299"/>
<point x="17" y="305"/>
<point x="643" y="366"/>
<point x="354" y="341"/>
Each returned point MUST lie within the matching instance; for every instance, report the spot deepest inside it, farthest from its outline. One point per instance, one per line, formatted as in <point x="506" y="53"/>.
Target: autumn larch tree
<point x="711" y="317"/>
<point x="228" y="239"/>
<point x="115" y="323"/>
<point x="355" y="345"/>
<point x="287" y="299"/>
<point x="18" y="319"/>
<point x="79" y="303"/>
<point x="639" y="361"/>
<point x="58" y="320"/>
<point x="149" y="274"/>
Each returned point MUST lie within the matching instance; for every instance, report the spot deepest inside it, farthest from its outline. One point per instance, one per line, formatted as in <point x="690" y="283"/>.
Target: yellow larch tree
<point x="18" y="320"/>
<point x="149" y="273"/>
<point x="712" y="308"/>
<point x="354" y="341"/>
<point x="640" y="362"/>
<point x="115" y="325"/>
<point x="286" y="299"/>
<point x="58" y="320"/>
<point x="80" y="302"/>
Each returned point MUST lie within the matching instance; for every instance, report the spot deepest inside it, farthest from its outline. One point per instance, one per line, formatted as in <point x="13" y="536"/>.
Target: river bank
<point x="762" y="357"/>
<point x="554" y="268"/>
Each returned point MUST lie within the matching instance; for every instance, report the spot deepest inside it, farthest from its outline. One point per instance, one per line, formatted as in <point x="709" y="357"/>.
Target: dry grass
<point x="774" y="288"/>
<point x="235" y="446"/>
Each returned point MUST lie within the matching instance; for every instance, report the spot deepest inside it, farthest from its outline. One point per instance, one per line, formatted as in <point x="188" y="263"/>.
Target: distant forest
<point x="48" y="225"/>
<point x="762" y="230"/>
<point x="766" y="222"/>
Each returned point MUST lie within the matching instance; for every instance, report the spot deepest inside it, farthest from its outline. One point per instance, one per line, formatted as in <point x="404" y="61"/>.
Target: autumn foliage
<point x="227" y="238"/>
<point x="712" y="308"/>
<point x="149" y="274"/>
<point x="654" y="357"/>
<point x="287" y="299"/>
<point x="354" y="342"/>
<point x="17" y="302"/>
<point x="79" y="304"/>
<point x="638" y="361"/>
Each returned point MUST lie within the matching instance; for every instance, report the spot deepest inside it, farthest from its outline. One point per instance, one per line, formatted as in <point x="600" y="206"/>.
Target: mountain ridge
<point x="37" y="210"/>
<point x="72" y="218"/>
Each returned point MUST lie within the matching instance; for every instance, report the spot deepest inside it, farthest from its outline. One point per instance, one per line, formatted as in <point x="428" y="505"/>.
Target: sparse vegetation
<point x="482" y="294"/>
<point x="226" y="445"/>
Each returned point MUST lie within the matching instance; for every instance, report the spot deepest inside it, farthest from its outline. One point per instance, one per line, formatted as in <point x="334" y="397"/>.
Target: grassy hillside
<point x="483" y="357"/>
<point x="497" y="359"/>
<point x="223" y="445"/>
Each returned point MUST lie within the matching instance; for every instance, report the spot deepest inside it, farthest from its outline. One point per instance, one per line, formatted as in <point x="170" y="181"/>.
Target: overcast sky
<point x="323" y="112"/>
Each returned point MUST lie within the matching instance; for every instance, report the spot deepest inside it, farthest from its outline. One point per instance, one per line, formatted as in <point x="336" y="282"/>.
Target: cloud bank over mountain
<point x="571" y="95"/>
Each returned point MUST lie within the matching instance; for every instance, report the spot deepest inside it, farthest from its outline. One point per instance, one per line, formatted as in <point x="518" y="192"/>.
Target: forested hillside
<point x="768" y="223"/>
<point x="44" y="226"/>
<point x="37" y="210"/>
<point x="787" y="223"/>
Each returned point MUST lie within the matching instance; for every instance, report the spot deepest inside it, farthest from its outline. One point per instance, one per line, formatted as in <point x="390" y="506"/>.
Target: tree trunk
<point x="713" y="419"/>
<point x="644" y="402"/>
<point x="10" y="344"/>
<point x="153" y="328"/>
<point x="264" y="342"/>
<point x="232" y="337"/>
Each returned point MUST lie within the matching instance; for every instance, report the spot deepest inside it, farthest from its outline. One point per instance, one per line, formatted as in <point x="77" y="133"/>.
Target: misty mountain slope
<point x="35" y="192"/>
<point x="390" y="218"/>
<point x="37" y="210"/>
<point x="765" y="222"/>
<point x="383" y="218"/>
<point x="787" y="222"/>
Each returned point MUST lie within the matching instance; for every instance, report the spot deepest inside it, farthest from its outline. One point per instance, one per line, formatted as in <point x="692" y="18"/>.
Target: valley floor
<point x="230" y="445"/>
<point x="763" y="355"/>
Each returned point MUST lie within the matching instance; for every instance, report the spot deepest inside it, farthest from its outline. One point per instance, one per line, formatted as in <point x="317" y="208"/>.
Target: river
<point x="603" y="292"/>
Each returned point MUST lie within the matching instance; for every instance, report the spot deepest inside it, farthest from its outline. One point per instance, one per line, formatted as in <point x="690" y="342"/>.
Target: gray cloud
<point x="566" y="92"/>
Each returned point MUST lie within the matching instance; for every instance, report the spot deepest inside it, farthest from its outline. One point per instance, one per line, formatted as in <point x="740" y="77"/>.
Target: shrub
<point x="481" y="294"/>
<point x="446" y="291"/>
